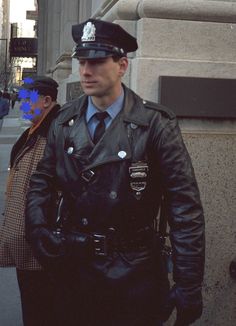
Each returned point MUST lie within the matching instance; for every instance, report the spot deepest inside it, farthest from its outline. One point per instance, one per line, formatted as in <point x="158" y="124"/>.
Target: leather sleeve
<point x="184" y="206"/>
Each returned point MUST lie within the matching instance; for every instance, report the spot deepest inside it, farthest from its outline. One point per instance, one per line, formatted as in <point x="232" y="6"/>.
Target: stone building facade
<point x="4" y="41"/>
<point x="187" y="38"/>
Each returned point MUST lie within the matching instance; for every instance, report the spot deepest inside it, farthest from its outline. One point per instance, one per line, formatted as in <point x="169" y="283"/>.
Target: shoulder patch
<point x="158" y="107"/>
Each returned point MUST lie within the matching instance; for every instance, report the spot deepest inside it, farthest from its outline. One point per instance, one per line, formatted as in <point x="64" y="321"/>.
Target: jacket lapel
<point x="115" y="144"/>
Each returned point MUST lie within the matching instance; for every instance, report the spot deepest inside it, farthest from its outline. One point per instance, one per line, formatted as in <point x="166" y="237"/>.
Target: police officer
<point x="114" y="156"/>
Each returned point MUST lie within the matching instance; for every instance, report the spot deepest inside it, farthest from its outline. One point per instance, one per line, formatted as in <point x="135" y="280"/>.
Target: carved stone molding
<point x="63" y="66"/>
<point x="219" y="11"/>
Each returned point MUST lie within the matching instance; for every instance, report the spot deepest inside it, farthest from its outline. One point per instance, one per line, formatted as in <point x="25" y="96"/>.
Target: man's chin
<point x="94" y="91"/>
<point x="90" y="92"/>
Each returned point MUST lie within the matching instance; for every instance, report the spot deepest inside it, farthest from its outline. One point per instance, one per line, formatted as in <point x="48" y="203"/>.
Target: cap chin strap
<point x="99" y="50"/>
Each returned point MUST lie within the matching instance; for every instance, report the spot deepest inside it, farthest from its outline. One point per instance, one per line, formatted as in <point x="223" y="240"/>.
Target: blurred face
<point x="102" y="77"/>
<point x="38" y="108"/>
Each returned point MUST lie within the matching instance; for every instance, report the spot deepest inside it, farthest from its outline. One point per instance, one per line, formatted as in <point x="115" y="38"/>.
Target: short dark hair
<point x="116" y="58"/>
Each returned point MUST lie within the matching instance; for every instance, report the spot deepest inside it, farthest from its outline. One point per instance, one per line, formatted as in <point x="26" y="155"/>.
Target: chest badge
<point x="138" y="173"/>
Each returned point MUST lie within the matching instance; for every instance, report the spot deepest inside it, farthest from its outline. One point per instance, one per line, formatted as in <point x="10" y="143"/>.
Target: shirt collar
<point x="112" y="110"/>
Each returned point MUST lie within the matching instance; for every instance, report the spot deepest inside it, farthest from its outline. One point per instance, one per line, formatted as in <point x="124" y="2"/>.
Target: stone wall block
<point x="146" y="72"/>
<point x="123" y="10"/>
<point x="164" y="38"/>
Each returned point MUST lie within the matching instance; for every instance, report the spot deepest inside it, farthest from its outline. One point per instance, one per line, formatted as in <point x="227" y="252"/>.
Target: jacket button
<point x="71" y="122"/>
<point x="122" y="154"/>
<point x="113" y="195"/>
<point x="133" y="125"/>
<point x="85" y="221"/>
<point x="70" y="150"/>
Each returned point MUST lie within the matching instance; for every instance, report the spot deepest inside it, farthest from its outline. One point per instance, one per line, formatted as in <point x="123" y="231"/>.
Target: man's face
<point x="101" y="77"/>
<point x="36" y="109"/>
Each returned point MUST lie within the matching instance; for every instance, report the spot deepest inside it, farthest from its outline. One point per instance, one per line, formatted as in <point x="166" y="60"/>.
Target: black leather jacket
<point x="96" y="180"/>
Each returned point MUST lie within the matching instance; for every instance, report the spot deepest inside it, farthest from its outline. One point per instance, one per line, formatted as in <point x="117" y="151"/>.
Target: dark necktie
<point x="101" y="127"/>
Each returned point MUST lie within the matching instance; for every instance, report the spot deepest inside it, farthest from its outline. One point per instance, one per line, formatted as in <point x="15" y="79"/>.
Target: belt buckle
<point x="87" y="175"/>
<point x="100" y="244"/>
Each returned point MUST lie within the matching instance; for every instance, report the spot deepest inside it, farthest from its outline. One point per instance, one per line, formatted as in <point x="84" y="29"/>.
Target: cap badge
<point x="88" y="32"/>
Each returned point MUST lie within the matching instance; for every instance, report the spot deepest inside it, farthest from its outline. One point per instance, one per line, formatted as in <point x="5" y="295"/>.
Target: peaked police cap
<point x="99" y="39"/>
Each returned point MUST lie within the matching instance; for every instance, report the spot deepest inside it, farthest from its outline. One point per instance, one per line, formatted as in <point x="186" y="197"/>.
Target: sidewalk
<point x="13" y="126"/>
<point x="10" y="306"/>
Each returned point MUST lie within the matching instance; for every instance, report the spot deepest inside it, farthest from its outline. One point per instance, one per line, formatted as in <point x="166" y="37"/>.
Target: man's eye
<point x="93" y="62"/>
<point x="98" y="62"/>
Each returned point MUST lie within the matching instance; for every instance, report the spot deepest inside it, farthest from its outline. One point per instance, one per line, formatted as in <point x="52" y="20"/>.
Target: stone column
<point x="48" y="35"/>
<point x="42" y="36"/>
<point x="68" y="16"/>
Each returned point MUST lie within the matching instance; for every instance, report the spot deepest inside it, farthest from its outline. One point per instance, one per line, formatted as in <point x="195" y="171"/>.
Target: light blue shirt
<point x="112" y="111"/>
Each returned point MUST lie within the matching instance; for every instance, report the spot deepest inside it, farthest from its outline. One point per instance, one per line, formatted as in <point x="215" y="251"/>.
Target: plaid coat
<point x="25" y="155"/>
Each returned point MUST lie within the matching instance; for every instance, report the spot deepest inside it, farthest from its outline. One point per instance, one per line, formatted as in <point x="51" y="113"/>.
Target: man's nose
<point x="86" y="68"/>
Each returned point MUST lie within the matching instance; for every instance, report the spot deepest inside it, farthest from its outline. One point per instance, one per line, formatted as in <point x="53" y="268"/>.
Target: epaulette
<point x="158" y="107"/>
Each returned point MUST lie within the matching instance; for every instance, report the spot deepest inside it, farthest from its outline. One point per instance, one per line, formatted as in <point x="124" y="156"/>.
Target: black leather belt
<point x="106" y="244"/>
<point x="100" y="244"/>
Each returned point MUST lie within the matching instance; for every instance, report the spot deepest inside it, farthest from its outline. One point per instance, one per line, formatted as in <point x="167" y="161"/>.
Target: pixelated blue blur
<point x="28" y="98"/>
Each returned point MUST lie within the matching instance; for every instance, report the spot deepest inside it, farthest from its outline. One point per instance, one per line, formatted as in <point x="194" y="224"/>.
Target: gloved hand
<point x="48" y="247"/>
<point x="188" y="303"/>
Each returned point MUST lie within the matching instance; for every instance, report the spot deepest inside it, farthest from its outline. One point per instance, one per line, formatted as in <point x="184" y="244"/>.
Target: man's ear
<point x="123" y="62"/>
<point x="47" y="101"/>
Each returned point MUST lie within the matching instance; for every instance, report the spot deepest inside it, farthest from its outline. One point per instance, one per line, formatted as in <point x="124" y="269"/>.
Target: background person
<point x="13" y="98"/>
<point x="4" y="108"/>
<point x="114" y="156"/>
<point x="35" y="286"/>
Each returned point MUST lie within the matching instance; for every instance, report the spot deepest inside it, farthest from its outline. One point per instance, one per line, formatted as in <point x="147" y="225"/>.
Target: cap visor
<point x="92" y="54"/>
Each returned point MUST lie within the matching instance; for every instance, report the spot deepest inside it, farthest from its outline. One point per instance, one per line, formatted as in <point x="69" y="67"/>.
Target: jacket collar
<point x="133" y="110"/>
<point x="115" y="144"/>
<point x="73" y="110"/>
<point x="113" y="147"/>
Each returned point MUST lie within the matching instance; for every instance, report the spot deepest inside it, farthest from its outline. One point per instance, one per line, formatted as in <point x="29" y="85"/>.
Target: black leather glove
<point x="48" y="247"/>
<point x="188" y="303"/>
